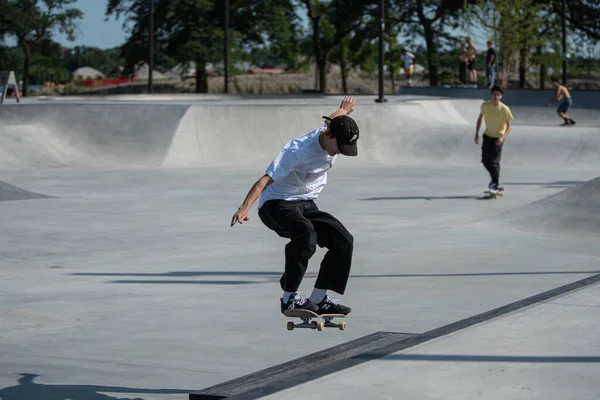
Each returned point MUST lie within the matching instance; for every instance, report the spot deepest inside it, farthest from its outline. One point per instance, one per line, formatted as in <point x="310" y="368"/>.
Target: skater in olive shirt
<point x="498" y="119"/>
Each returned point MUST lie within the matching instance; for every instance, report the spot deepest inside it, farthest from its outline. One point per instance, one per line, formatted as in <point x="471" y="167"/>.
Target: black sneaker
<point x="329" y="306"/>
<point x="296" y="302"/>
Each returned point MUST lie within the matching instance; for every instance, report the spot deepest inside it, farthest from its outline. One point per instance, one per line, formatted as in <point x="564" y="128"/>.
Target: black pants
<point x="462" y="72"/>
<point x="306" y="226"/>
<point x="490" y="157"/>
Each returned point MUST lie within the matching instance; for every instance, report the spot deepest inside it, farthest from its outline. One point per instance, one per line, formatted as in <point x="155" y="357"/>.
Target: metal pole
<point x="381" y="49"/>
<point x="564" y="44"/>
<point x="226" y="62"/>
<point x="151" y="45"/>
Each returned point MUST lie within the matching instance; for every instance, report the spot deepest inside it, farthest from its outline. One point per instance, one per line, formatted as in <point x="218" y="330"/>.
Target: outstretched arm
<point x="554" y="98"/>
<point x="241" y="215"/>
<point x="346" y="107"/>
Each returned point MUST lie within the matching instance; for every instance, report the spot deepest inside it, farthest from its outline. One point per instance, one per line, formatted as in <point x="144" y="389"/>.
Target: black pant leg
<point x="336" y="265"/>
<point x="490" y="157"/>
<point x="495" y="162"/>
<point x="287" y="219"/>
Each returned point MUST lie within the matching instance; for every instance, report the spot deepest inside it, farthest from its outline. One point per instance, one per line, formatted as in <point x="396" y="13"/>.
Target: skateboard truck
<point x="306" y="317"/>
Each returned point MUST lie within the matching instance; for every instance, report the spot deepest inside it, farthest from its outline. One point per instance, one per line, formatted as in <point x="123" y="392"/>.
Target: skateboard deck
<point x="500" y="193"/>
<point x="306" y="317"/>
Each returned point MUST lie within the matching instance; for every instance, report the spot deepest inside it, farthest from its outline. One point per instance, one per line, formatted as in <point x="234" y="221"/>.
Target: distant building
<point x="85" y="73"/>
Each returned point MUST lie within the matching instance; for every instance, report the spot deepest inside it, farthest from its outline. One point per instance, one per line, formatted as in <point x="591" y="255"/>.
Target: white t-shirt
<point x="299" y="171"/>
<point x="408" y="59"/>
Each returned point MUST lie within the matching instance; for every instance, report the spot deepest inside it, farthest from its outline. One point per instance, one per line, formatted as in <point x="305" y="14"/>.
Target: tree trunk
<point x="26" y="65"/>
<point x="323" y="74"/>
<point x="432" y="62"/>
<point x="523" y="68"/>
<point x="506" y="69"/>
<point x="432" y="56"/>
<point x="201" y="81"/>
<point x="542" y="69"/>
<point x="319" y="60"/>
<point x="343" y="69"/>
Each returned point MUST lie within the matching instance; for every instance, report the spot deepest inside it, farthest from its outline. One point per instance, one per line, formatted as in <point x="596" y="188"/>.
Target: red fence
<point x="92" y="83"/>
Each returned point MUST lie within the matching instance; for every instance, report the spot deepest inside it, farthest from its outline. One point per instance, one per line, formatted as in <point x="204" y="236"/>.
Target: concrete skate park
<point x="120" y="277"/>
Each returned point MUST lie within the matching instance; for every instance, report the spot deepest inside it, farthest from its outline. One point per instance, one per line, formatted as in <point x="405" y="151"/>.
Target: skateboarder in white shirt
<point x="408" y="62"/>
<point x="287" y="192"/>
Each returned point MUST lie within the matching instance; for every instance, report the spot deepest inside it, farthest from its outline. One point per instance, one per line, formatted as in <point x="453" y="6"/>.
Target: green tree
<point x="11" y="59"/>
<point x="582" y="15"/>
<point x="47" y="64"/>
<point x="33" y="22"/>
<point x="433" y="21"/>
<point x="192" y="31"/>
<point x="331" y="22"/>
<point x="518" y="26"/>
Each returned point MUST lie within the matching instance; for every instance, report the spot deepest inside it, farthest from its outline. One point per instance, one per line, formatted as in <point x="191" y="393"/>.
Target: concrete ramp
<point x="225" y="133"/>
<point x="574" y="211"/>
<point x="400" y="132"/>
<point x="35" y="136"/>
<point x="9" y="192"/>
<point x="427" y="132"/>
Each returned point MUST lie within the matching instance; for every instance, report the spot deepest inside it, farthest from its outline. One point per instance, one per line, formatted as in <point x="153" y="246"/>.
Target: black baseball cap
<point x="345" y="130"/>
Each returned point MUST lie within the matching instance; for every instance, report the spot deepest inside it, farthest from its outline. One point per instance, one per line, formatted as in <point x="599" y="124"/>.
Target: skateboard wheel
<point x="342" y="326"/>
<point x="314" y="324"/>
<point x="320" y="326"/>
<point x="290" y="326"/>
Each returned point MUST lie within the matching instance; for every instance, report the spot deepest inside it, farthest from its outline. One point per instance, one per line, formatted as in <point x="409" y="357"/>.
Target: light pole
<point x="564" y="44"/>
<point x="226" y="61"/>
<point x="151" y="49"/>
<point x="380" y="12"/>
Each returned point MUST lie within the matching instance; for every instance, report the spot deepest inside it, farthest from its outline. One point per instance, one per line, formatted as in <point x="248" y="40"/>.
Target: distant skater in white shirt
<point x="287" y="192"/>
<point x="408" y="62"/>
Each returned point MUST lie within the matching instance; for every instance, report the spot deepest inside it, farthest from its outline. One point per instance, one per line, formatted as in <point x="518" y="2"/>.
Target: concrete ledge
<point x="298" y="371"/>
<point x="585" y="99"/>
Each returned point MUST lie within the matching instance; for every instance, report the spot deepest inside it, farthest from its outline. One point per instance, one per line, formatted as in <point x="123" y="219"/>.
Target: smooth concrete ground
<point x="128" y="283"/>
<point x="549" y="351"/>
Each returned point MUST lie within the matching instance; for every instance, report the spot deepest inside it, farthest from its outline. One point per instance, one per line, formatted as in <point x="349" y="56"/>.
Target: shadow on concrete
<point x="28" y="389"/>
<point x="194" y="282"/>
<point x="274" y="276"/>
<point x="549" y="185"/>
<point x="475" y="358"/>
<point x="185" y="273"/>
<point x="423" y="198"/>
<point x="473" y="274"/>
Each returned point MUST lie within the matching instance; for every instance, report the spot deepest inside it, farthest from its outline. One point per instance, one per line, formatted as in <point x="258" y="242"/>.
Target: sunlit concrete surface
<point x="125" y="280"/>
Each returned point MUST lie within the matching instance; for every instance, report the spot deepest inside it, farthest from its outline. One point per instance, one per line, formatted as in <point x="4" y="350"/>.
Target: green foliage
<point x="12" y="59"/>
<point x="433" y="21"/>
<point x="33" y="23"/>
<point x="192" y="31"/>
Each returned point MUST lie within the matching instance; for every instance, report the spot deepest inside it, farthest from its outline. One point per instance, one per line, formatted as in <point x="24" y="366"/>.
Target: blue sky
<point x="93" y="30"/>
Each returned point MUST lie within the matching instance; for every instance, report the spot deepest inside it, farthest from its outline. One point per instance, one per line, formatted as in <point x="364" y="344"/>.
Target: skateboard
<point x="306" y="317"/>
<point x="500" y="193"/>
